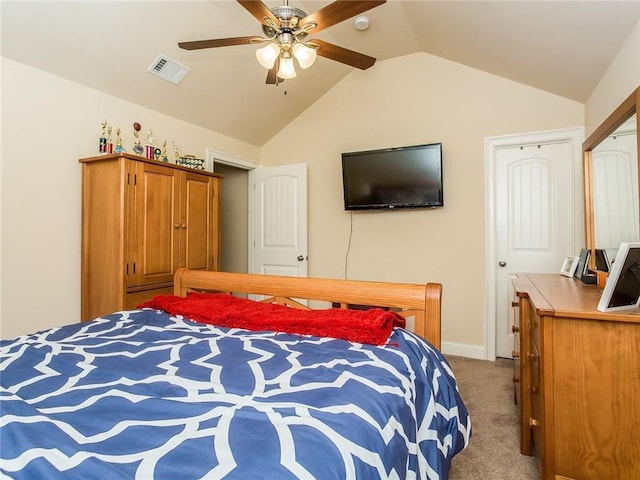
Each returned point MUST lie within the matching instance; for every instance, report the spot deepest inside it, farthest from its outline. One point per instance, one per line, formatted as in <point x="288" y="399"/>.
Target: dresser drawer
<point x="534" y="329"/>
<point x="533" y="358"/>
<point x="537" y="425"/>
<point x="536" y="422"/>
<point x="515" y="329"/>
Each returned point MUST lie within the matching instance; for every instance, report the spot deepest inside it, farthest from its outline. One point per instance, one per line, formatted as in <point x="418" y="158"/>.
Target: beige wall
<point x="621" y="78"/>
<point x="406" y="101"/>
<point x="48" y="124"/>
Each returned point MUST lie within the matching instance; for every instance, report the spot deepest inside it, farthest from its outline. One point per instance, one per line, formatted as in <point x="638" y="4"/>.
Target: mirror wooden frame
<point x="620" y="115"/>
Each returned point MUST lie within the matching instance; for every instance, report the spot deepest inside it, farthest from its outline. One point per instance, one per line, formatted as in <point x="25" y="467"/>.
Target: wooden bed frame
<point x="423" y="302"/>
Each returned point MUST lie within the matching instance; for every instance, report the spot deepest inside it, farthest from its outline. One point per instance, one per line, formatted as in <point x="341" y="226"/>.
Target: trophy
<point x="103" y="139"/>
<point x="177" y="153"/>
<point x="137" y="148"/>
<point x="119" y="148"/>
<point x="165" y="159"/>
<point x="149" y="149"/>
<point x="109" y="140"/>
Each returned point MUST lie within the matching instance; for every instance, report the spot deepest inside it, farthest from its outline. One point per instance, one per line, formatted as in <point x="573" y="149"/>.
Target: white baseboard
<point x="462" y="350"/>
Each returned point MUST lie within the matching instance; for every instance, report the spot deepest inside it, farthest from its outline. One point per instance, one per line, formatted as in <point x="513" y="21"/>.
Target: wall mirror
<point x="612" y="181"/>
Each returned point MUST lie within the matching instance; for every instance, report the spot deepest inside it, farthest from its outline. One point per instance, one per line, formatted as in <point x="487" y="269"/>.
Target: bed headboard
<point x="420" y="301"/>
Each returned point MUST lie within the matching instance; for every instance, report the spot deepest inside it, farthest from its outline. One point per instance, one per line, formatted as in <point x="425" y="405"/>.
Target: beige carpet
<point x="494" y="450"/>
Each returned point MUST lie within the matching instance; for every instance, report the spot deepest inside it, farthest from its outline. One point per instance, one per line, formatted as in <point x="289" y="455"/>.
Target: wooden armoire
<point x="141" y="220"/>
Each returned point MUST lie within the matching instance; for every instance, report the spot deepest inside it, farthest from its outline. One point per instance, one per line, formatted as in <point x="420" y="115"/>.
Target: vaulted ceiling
<point x="562" y="47"/>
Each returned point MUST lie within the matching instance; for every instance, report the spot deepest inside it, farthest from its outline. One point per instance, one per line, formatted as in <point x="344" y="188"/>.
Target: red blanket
<point x="364" y="326"/>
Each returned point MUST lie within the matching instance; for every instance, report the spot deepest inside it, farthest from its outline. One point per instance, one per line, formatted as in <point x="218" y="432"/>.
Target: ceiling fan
<point x="286" y="29"/>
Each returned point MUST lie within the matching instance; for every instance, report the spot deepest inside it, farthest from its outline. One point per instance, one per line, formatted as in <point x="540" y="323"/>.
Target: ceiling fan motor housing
<point x="289" y="18"/>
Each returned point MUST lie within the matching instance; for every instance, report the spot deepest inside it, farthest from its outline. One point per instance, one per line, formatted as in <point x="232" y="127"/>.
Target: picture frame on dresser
<point x="583" y="263"/>
<point x="602" y="260"/>
<point x="569" y="266"/>
<point x="622" y="290"/>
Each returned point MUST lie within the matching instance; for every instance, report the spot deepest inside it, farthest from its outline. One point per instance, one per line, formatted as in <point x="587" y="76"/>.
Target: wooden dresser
<point x="579" y="381"/>
<point x="141" y="220"/>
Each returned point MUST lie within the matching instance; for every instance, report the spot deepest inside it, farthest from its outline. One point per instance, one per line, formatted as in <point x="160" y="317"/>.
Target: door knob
<point x="502" y="263"/>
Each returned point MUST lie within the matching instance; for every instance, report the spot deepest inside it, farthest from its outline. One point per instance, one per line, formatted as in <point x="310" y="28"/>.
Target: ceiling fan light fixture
<point x="267" y="55"/>
<point x="286" y="70"/>
<point x="305" y="55"/>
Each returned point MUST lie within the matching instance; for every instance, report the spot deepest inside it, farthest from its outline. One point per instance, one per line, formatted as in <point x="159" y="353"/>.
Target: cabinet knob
<point x="176" y="225"/>
<point x="515" y="380"/>
<point x="515" y="304"/>
<point x="515" y="354"/>
<point x="533" y="422"/>
<point x="532" y="389"/>
<point x="515" y="329"/>
<point x="531" y="356"/>
<point x="183" y="226"/>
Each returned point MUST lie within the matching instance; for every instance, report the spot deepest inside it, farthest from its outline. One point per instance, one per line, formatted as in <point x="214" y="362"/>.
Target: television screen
<point x="401" y="177"/>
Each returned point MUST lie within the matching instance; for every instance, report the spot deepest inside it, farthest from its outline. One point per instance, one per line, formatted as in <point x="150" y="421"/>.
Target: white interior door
<point x="532" y="209"/>
<point x="279" y="220"/>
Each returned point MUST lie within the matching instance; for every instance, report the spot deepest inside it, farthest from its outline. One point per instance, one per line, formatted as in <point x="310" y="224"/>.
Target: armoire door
<point x="153" y="258"/>
<point x="198" y="222"/>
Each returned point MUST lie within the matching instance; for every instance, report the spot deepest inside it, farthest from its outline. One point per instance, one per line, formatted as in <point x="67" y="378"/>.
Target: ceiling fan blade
<point x="272" y="76"/>
<point x="343" y="55"/>
<point x="339" y="11"/>
<point x="219" y="42"/>
<point x="259" y="10"/>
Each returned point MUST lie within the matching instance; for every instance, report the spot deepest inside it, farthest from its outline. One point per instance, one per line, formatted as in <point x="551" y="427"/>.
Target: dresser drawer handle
<point x="533" y="422"/>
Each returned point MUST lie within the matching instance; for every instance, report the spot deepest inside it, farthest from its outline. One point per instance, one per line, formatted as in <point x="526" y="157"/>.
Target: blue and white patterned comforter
<point x="144" y="395"/>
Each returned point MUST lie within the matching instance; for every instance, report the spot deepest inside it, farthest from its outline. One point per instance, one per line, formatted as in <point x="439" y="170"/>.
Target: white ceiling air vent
<point x="168" y="69"/>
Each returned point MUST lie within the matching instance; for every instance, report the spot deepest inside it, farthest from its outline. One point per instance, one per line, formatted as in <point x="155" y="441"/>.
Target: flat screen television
<point x="392" y="178"/>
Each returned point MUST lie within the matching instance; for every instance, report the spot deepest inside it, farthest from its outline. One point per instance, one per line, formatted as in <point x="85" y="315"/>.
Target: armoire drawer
<point x="133" y="299"/>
